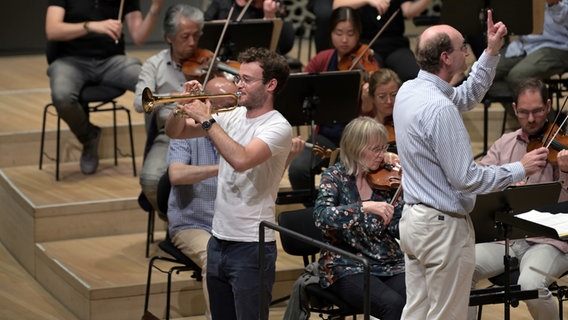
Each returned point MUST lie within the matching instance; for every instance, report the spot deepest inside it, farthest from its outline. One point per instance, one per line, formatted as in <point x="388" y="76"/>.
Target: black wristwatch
<point x="206" y="125"/>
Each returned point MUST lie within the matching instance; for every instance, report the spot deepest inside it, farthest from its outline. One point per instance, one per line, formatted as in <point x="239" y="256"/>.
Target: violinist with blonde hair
<point x="358" y="217"/>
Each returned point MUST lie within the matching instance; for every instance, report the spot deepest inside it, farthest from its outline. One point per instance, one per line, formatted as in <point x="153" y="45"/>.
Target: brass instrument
<point x="225" y="102"/>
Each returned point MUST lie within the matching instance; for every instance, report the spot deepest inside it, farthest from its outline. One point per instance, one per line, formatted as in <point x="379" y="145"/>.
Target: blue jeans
<point x="68" y="75"/>
<point x="233" y="279"/>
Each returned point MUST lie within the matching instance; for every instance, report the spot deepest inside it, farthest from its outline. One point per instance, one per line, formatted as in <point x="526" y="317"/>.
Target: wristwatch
<point x="206" y="125"/>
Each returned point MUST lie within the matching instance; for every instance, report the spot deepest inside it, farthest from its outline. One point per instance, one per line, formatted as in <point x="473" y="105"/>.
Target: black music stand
<point x="493" y="219"/>
<point x="318" y="98"/>
<point x="239" y="36"/>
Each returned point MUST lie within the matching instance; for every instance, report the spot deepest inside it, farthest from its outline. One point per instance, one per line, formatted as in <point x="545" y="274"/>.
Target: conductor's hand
<point x="495" y="35"/>
<point x="534" y="161"/>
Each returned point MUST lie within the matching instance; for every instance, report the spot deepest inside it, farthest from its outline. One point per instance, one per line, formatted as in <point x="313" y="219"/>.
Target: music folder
<point x="502" y="206"/>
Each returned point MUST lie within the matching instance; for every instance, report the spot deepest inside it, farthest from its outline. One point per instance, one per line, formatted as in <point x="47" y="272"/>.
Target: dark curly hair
<point x="274" y="66"/>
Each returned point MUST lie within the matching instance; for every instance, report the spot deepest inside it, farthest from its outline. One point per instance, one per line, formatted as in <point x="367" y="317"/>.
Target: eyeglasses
<point x="380" y="149"/>
<point x="536" y="112"/>
<point x="463" y="47"/>
<point x="383" y="97"/>
<point x="245" y="79"/>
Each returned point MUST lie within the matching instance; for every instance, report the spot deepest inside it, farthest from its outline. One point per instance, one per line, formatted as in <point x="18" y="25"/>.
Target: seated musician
<point x="345" y="32"/>
<point x="548" y="255"/>
<point x="378" y="99"/>
<point x="358" y="217"/>
<point x="164" y="74"/>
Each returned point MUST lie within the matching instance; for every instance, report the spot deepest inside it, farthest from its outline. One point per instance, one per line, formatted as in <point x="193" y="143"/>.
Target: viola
<point x="196" y="68"/>
<point x="559" y="141"/>
<point x="387" y="177"/>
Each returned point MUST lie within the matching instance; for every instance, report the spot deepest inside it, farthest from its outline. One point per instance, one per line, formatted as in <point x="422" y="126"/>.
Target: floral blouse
<point x="338" y="214"/>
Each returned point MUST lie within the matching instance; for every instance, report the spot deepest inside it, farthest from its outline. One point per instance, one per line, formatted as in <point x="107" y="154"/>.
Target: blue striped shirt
<point x="191" y="206"/>
<point x="434" y="145"/>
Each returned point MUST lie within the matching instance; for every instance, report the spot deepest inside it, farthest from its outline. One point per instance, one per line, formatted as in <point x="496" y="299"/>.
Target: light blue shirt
<point x="554" y="34"/>
<point x="191" y="206"/>
<point x="163" y="76"/>
<point x="434" y="145"/>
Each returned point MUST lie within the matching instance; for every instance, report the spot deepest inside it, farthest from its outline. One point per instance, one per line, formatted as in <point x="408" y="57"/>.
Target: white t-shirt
<point x="246" y="198"/>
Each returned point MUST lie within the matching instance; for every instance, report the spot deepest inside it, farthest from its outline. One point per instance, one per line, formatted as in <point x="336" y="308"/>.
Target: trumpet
<point x="223" y="102"/>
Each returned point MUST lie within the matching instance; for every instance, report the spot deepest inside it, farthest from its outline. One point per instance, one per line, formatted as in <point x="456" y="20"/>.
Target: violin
<point x="552" y="138"/>
<point x="361" y="58"/>
<point x="197" y="67"/>
<point x="387" y="177"/>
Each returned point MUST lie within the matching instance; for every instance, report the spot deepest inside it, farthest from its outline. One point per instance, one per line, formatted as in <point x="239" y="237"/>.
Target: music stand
<point x="493" y="219"/>
<point x="318" y="98"/>
<point x="240" y="36"/>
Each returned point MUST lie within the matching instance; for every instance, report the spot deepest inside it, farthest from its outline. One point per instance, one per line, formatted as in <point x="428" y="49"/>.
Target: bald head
<point x="221" y="85"/>
<point x="432" y="43"/>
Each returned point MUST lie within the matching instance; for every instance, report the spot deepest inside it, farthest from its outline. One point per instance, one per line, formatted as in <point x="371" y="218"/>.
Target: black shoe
<point x="90" y="155"/>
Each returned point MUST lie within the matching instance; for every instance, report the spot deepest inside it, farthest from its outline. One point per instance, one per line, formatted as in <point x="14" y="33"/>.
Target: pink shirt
<point x="512" y="147"/>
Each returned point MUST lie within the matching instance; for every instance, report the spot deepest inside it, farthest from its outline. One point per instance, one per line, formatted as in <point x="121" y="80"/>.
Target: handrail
<point x="321" y="245"/>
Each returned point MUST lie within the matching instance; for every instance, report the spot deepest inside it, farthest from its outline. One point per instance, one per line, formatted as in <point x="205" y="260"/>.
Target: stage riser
<point x="22" y="226"/>
<point x="90" y="302"/>
<point x="19" y="149"/>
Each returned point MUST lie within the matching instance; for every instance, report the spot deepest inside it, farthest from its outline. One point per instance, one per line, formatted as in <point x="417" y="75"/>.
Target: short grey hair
<point x="181" y="10"/>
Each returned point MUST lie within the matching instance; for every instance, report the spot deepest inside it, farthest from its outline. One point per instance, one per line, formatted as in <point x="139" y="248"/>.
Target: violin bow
<point x="559" y="127"/>
<point x="245" y="8"/>
<point x="356" y="61"/>
<point x="120" y="9"/>
<point x="218" y="46"/>
<point x="396" y="194"/>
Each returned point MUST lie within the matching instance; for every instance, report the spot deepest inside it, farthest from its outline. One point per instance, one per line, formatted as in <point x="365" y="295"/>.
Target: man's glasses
<point x="245" y="79"/>
<point x="536" y="113"/>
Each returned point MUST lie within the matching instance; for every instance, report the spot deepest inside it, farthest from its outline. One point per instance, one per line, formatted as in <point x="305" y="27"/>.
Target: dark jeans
<point x="233" y="279"/>
<point x="388" y="294"/>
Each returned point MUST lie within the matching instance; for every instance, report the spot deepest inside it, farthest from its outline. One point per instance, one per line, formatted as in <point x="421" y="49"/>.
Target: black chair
<point x="321" y="301"/>
<point x="104" y="100"/>
<point x="93" y="98"/>
<point x="557" y="87"/>
<point x="181" y="261"/>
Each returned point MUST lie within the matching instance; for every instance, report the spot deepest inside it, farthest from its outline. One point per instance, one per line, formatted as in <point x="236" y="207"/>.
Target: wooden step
<point x="39" y="209"/>
<point x="105" y="278"/>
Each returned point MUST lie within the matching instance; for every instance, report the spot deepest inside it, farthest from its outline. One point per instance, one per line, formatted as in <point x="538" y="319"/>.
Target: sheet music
<point x="558" y="221"/>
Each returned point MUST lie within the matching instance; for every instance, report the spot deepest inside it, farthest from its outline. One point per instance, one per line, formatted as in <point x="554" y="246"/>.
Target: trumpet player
<point x="254" y="142"/>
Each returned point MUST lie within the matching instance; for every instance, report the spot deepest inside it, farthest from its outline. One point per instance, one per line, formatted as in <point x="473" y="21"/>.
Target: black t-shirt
<point x="219" y="10"/>
<point x="392" y="37"/>
<point x="93" y="45"/>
